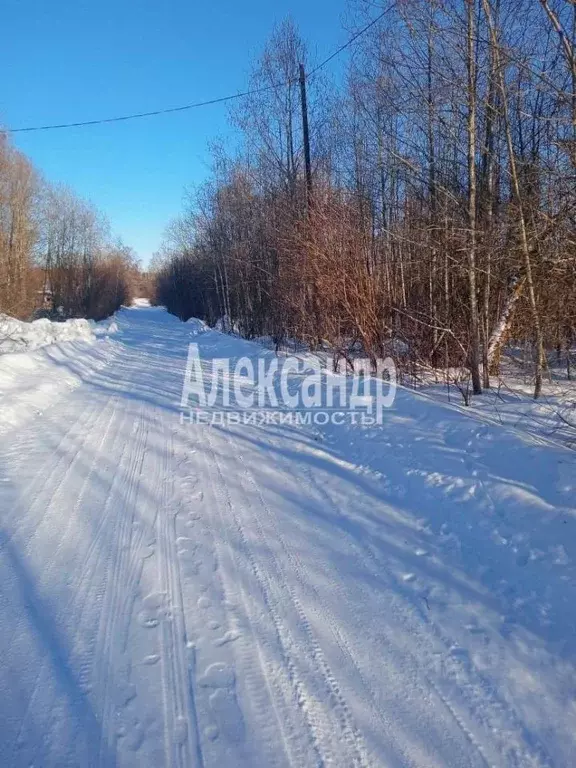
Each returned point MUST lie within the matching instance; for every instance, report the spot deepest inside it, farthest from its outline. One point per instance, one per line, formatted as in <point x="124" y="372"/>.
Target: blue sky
<point x="73" y="60"/>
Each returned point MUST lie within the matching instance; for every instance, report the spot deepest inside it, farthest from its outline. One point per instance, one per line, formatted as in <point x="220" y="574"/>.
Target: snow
<point x="32" y="382"/>
<point x="104" y="327"/>
<point x="186" y="595"/>
<point x="510" y="403"/>
<point x="19" y="336"/>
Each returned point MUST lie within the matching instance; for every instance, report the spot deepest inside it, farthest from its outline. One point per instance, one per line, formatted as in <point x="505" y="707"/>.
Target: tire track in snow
<point x="378" y="568"/>
<point x="101" y="555"/>
<point x="132" y="727"/>
<point x="262" y="677"/>
<point x="26" y="443"/>
<point x="106" y="667"/>
<point x="184" y="501"/>
<point x="182" y="742"/>
<point x="47" y="572"/>
<point x="212" y="592"/>
<point x="24" y="511"/>
<point x="320" y="724"/>
<point x="350" y="732"/>
<point x="326" y="618"/>
<point x="484" y="699"/>
<point x="49" y="510"/>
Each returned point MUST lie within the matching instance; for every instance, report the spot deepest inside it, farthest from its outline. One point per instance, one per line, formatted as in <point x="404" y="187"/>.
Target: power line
<point x="137" y="115"/>
<point x="196" y="105"/>
<point x="350" y="42"/>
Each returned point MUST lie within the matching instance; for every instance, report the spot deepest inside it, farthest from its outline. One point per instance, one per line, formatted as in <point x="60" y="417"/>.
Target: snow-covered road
<point x="177" y="596"/>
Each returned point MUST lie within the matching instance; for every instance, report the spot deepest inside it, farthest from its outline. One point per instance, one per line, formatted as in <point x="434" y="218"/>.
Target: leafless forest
<point x="57" y="257"/>
<point x="439" y="214"/>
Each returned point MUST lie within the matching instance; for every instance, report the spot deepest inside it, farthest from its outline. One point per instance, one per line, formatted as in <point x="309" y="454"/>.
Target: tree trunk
<point x="540" y="354"/>
<point x="474" y="361"/>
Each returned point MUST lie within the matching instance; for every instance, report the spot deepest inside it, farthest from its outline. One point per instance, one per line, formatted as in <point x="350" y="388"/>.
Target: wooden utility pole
<point x="306" y="135"/>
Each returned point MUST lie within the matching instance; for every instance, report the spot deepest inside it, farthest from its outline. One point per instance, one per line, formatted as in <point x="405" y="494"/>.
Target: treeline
<point x="57" y="258"/>
<point x="440" y="217"/>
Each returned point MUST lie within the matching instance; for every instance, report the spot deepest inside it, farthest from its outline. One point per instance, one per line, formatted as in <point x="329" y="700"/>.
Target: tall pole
<point x="306" y="135"/>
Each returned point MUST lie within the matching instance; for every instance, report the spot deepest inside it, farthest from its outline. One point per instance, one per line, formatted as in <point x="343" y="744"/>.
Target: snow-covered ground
<point x="43" y="361"/>
<point x="180" y="595"/>
<point x="510" y="403"/>
<point x="19" y="336"/>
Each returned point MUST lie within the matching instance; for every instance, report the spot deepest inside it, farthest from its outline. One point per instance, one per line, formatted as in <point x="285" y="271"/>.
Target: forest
<point x="417" y="196"/>
<point x="58" y="258"/>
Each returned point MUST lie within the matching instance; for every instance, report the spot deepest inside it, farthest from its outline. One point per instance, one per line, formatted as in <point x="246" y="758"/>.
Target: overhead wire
<point x="198" y="104"/>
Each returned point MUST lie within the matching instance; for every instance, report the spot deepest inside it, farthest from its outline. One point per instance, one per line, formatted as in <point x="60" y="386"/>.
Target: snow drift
<point x="18" y="336"/>
<point x="43" y="360"/>
<point x="30" y="383"/>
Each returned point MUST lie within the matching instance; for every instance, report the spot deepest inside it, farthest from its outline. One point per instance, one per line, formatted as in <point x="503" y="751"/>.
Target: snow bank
<point x="105" y="327"/>
<point x="196" y="326"/>
<point x="225" y="325"/>
<point x="18" y="336"/>
<point x="43" y="360"/>
<point x="31" y="382"/>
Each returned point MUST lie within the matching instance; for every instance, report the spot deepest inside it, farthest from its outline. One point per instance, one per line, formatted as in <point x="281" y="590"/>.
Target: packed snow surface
<point x="191" y="595"/>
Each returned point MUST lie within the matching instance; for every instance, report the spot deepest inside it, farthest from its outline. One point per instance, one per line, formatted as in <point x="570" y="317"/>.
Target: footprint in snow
<point x="147" y="551"/>
<point x="124" y="694"/>
<point x="132" y="736"/>
<point x="218" y="675"/>
<point x="154" y="609"/>
<point x="154" y="601"/>
<point x="227" y="714"/>
<point x="148" y="620"/>
<point x="229" y="637"/>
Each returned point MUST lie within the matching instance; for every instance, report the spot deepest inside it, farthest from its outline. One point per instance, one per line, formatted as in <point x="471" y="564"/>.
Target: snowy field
<point x="243" y="597"/>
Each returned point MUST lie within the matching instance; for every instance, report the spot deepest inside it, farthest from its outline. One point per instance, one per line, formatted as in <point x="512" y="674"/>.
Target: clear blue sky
<point x="73" y="60"/>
